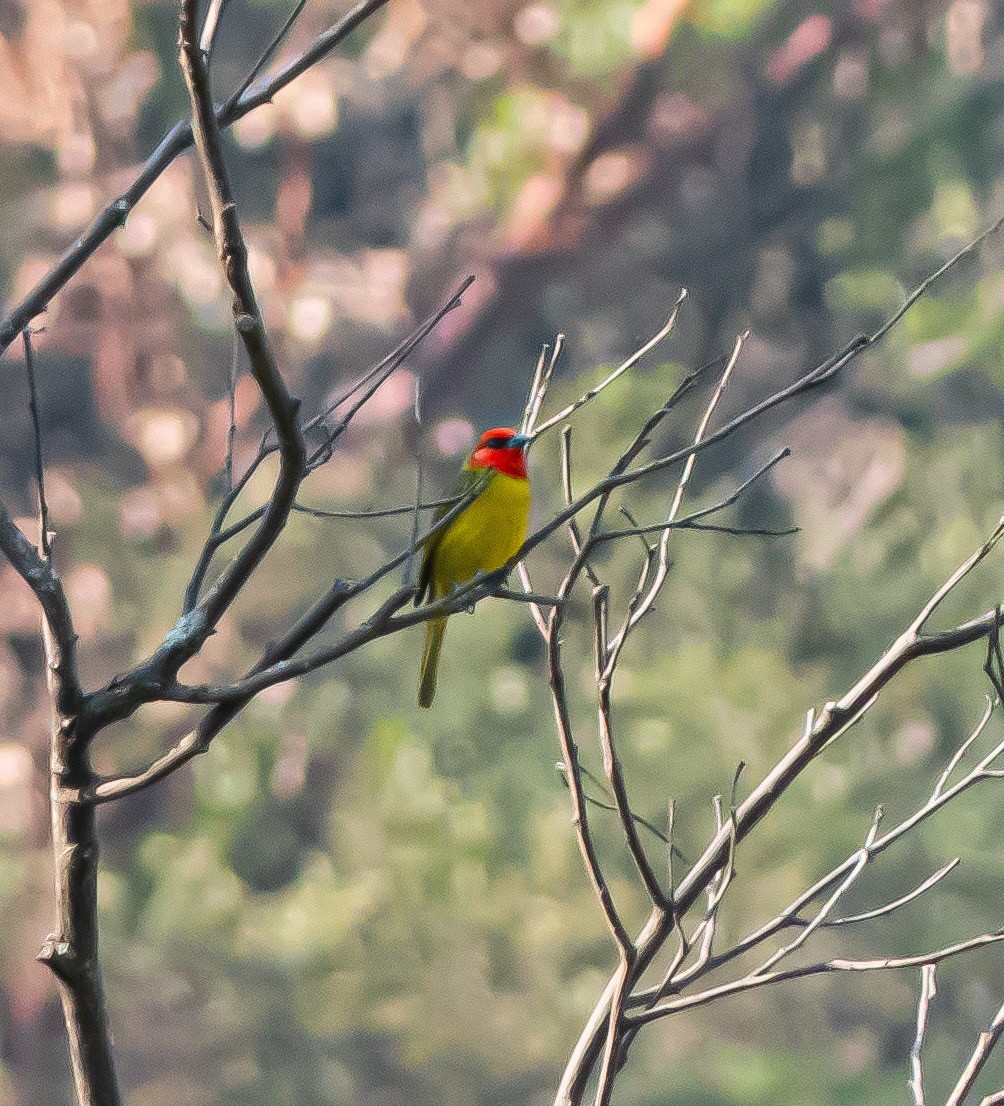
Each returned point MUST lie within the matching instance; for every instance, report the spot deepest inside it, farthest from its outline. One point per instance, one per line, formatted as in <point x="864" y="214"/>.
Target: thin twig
<point x="43" y="511"/>
<point x="611" y="763"/>
<point x="416" y="514"/>
<point x="821" y="730"/>
<point x="861" y="858"/>
<point x="622" y="368"/>
<point x="541" y="382"/>
<point x="232" y="412"/>
<point x="210" y="25"/>
<point x="911" y="896"/>
<point x="574" y="534"/>
<point x="791" y="915"/>
<point x="751" y="982"/>
<point x="218" y="535"/>
<point x="573" y="775"/>
<point x="644" y="603"/>
<point x="266" y="56"/>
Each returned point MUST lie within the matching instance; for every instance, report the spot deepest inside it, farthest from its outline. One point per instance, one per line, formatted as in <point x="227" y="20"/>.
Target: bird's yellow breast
<point x="484" y="536"/>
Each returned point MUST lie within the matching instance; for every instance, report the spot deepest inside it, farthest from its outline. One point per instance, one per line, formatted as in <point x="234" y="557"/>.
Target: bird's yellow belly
<point x="485" y="535"/>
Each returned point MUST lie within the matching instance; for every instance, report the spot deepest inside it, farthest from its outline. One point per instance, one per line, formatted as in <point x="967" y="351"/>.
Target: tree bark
<point x="71" y="951"/>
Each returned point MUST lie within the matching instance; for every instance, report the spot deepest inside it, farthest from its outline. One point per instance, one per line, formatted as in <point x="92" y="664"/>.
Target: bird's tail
<point x="435" y="628"/>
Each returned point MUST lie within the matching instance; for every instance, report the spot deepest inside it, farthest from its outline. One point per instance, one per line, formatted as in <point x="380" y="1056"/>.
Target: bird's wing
<point x="471" y="480"/>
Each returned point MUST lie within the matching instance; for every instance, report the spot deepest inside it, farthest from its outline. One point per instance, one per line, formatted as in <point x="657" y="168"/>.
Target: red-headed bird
<point x="481" y="538"/>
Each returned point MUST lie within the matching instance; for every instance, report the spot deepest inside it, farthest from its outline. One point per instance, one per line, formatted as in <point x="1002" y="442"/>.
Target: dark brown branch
<point x="71" y="950"/>
<point x="370" y="381"/>
<point x="111" y="703"/>
<point x="191" y="632"/>
<point x="36" y="426"/>
<point x="40" y="576"/>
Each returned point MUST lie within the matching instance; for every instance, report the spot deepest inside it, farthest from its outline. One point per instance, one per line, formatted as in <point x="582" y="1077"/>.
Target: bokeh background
<point x="352" y="901"/>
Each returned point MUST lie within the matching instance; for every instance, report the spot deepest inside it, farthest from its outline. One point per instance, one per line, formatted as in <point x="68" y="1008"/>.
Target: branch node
<point x="57" y="955"/>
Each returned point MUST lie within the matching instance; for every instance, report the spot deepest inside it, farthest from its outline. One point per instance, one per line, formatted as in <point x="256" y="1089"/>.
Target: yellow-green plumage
<point x="479" y="540"/>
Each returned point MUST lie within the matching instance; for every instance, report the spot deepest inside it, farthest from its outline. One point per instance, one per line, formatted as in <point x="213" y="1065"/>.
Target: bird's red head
<point x="501" y="448"/>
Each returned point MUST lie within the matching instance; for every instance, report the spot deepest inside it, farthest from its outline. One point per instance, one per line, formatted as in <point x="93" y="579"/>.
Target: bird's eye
<point x="495" y="443"/>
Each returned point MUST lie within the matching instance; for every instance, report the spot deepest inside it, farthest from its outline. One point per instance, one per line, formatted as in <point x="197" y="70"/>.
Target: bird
<point x="481" y="539"/>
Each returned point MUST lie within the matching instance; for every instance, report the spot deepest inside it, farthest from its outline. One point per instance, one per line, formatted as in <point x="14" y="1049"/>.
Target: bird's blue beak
<point x="519" y="441"/>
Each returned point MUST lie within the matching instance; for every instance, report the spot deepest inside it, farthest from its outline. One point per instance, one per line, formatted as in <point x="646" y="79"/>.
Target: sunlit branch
<point x="988" y="1041"/>
<point x="751" y="983"/>
<point x="821" y="730"/>
<point x="541" y="382"/>
<point x="928" y="989"/>
<point x="791" y="915"/>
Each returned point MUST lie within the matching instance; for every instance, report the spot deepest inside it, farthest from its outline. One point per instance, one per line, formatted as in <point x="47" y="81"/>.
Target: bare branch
<point x="884" y="911"/>
<point x="536" y="613"/>
<point x="957" y="576"/>
<point x="574" y="533"/>
<point x="611" y="1048"/>
<point x="115" y="702"/>
<point x="541" y="382"/>
<point x="266" y="56"/>
<point x="40" y="576"/>
<point x="416" y="512"/>
<point x="573" y="775"/>
<point x="821" y="730"/>
<point x="702" y="427"/>
<point x="692" y="521"/>
<point x="616" y="374"/>
<point x="370" y="381"/>
<point x="962" y="750"/>
<point x="928" y="989"/>
<point x="988" y="1041"/>
<point x="791" y="915"/>
<point x="611" y="763"/>
<point x="43" y="510"/>
<point x="211" y="25"/>
<point x="189" y="635"/>
<point x="922" y="288"/>
<point x="861" y="858"/>
<point x="753" y="982"/>
<point x="232" y="412"/>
